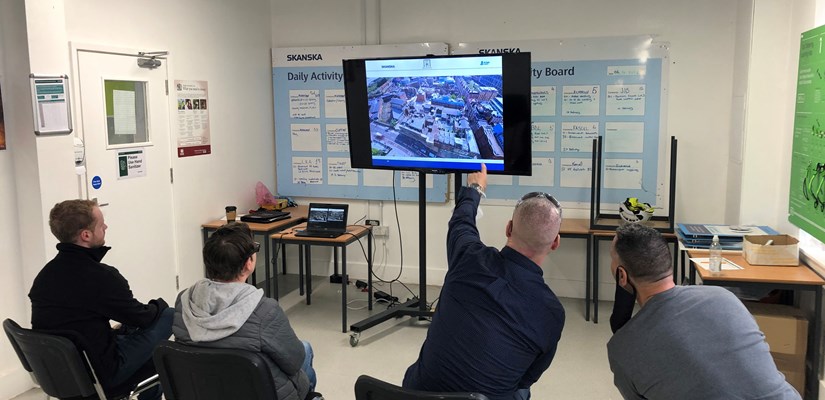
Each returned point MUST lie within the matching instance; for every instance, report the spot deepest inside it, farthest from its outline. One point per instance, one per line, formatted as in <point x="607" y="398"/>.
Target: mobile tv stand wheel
<point x="353" y="338"/>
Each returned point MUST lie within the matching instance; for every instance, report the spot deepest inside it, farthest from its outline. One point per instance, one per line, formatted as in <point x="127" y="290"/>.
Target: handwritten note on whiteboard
<point x="542" y="174"/>
<point x="544" y="100"/>
<point x="410" y="179"/>
<point x="306" y="137"/>
<point x="337" y="138"/>
<point x="578" y="136"/>
<point x="334" y="104"/>
<point x="575" y="172"/>
<point x="625" y="99"/>
<point x="580" y="100"/>
<point x="622" y="173"/>
<point x="624" y="137"/>
<point x="339" y="172"/>
<point x="307" y="170"/>
<point x="305" y="103"/>
<point x="500" y="180"/>
<point x="544" y="136"/>
<point x="377" y="177"/>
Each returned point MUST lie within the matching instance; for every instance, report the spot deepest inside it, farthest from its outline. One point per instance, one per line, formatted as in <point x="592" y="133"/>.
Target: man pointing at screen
<point x="498" y="323"/>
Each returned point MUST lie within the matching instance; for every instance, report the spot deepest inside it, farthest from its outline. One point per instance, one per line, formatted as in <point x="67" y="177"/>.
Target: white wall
<point x="220" y="42"/>
<point x="228" y="46"/>
<point x="13" y="379"/>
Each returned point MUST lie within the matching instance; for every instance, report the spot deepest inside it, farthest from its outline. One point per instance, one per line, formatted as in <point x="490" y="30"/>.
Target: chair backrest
<point x="57" y="365"/>
<point x="369" y="388"/>
<point x="198" y="373"/>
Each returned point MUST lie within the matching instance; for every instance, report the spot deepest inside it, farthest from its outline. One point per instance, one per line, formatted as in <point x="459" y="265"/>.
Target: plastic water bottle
<point x="715" y="255"/>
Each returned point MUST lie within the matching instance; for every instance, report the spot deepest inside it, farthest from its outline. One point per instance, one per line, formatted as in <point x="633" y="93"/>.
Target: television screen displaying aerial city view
<point x="445" y="109"/>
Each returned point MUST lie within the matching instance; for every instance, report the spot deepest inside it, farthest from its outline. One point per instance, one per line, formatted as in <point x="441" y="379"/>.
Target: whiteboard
<point x="614" y="88"/>
<point x="312" y="148"/>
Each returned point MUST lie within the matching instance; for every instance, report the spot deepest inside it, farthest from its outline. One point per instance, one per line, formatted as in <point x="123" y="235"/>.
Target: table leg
<point x="275" y="268"/>
<point x="308" y="278"/>
<point x="301" y="251"/>
<point x="587" y="278"/>
<point x="369" y="269"/>
<point x="267" y="265"/>
<point x="817" y="344"/>
<point x="675" y="263"/>
<point x="283" y="257"/>
<point x="596" y="280"/>
<point x="343" y="287"/>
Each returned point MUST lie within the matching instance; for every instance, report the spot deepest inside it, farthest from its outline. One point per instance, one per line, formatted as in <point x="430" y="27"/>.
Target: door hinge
<point x="171" y="175"/>
<point x="167" y="87"/>
<point x="177" y="282"/>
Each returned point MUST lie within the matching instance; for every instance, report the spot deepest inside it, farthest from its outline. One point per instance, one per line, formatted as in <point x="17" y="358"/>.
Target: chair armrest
<point x="144" y="386"/>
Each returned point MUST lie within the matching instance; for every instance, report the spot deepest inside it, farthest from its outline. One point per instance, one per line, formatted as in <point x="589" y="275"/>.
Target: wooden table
<point x="798" y="278"/>
<point x="297" y="215"/>
<point x="354" y="233"/>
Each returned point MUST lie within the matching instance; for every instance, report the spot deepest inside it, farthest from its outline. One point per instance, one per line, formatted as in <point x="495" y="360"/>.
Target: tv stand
<point x="415" y="307"/>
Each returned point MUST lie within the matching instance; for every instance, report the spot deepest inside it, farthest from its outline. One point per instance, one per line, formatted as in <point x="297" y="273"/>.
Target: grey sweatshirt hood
<point x="214" y="310"/>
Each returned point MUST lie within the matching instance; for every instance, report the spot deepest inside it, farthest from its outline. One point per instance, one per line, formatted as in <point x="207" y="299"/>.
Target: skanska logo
<point x="485" y="62"/>
<point x="304" y="57"/>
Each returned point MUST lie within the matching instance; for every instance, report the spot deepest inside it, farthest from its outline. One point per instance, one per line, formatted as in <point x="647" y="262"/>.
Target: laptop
<point x="325" y="220"/>
<point x="265" y="216"/>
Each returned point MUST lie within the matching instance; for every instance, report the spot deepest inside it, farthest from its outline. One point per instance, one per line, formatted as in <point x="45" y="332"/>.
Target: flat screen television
<point x="440" y="114"/>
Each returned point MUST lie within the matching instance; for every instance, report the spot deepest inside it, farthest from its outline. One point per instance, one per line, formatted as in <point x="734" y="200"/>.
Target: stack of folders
<point x="730" y="236"/>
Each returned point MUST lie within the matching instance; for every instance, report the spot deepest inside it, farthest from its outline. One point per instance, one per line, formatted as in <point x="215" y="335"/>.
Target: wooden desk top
<point x="575" y="226"/>
<point x="297" y="215"/>
<point x="799" y="275"/>
<point x="354" y="232"/>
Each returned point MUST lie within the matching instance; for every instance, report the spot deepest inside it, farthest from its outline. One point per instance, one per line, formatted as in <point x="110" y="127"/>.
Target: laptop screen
<point x="327" y="217"/>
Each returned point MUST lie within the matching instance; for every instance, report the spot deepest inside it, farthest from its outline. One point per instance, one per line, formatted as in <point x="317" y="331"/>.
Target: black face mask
<point x="633" y="287"/>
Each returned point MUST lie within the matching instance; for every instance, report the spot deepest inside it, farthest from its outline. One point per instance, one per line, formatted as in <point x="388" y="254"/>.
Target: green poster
<point x="807" y="193"/>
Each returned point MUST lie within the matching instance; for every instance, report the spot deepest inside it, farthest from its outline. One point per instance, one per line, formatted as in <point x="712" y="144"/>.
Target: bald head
<point x="535" y="226"/>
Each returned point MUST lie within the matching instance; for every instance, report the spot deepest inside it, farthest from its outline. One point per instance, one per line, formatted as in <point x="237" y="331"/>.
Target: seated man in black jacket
<point x="76" y="292"/>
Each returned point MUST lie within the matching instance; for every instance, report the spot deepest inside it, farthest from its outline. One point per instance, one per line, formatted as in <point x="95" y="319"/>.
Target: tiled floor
<point x="579" y="370"/>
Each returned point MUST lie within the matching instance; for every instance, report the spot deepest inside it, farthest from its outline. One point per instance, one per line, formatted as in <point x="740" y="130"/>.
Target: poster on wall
<point x="2" y="122"/>
<point x="807" y="189"/>
<point x="192" y="118"/>
<point x="614" y="88"/>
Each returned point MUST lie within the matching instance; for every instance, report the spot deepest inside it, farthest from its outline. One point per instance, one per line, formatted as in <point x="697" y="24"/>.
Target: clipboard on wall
<point x="51" y="104"/>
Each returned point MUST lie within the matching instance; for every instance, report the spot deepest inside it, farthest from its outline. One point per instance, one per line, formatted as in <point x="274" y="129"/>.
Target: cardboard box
<point x="793" y="367"/>
<point x="785" y="327"/>
<point x="784" y="250"/>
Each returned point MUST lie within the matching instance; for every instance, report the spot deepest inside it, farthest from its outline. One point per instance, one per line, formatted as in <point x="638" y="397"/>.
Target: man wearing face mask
<point x="686" y="342"/>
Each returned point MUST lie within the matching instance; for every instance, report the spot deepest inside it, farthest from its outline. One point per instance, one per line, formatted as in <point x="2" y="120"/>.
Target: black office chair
<point x="199" y="373"/>
<point x="369" y="388"/>
<point x="61" y="367"/>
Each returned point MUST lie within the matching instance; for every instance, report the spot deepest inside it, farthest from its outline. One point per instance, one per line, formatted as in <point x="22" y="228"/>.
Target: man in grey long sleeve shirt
<point x="686" y="342"/>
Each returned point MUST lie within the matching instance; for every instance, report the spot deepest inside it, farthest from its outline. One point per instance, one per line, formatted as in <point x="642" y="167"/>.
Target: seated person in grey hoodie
<point x="224" y="311"/>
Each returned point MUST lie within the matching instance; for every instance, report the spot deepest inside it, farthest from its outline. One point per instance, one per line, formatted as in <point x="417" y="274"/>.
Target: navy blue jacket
<point x="497" y="324"/>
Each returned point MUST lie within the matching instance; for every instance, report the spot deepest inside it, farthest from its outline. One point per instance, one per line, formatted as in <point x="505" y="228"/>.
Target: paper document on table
<point x="727" y="265"/>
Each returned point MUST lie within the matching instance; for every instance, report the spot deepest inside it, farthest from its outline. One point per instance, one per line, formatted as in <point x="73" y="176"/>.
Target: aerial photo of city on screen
<point x="444" y="117"/>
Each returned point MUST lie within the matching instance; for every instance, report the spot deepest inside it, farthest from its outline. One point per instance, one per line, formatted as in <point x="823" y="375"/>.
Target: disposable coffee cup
<point x="231" y="213"/>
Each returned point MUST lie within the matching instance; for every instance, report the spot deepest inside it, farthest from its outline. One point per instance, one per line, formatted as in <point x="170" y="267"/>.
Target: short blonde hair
<point x="536" y="223"/>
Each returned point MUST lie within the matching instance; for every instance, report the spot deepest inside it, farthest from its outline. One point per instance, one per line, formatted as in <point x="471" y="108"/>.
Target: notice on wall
<point x="307" y="170"/>
<point x="337" y="138"/>
<point x="409" y="179"/>
<point x="542" y="173"/>
<point x="623" y="173"/>
<point x="575" y="172"/>
<point x="624" y="137"/>
<point x="578" y="136"/>
<point x="544" y="136"/>
<point x="340" y="172"/>
<point x="192" y="118"/>
<point x="131" y="163"/>
<point x="306" y="137"/>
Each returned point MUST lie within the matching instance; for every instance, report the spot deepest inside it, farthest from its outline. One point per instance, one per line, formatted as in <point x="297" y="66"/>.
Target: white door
<point x="125" y="126"/>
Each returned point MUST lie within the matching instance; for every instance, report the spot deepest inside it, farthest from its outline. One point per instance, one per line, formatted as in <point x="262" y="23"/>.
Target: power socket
<point x="382" y="231"/>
